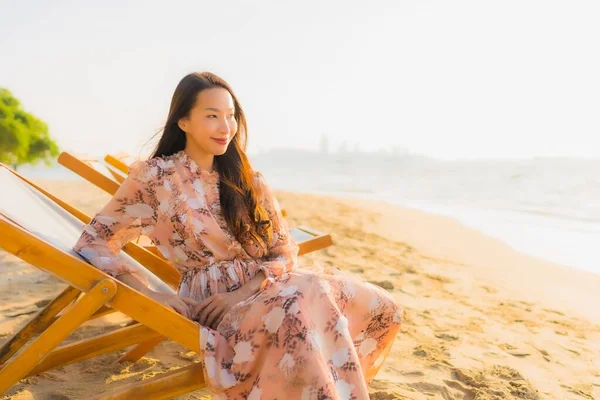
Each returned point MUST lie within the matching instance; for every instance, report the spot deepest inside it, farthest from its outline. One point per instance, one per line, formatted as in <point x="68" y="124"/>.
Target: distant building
<point x="324" y="144"/>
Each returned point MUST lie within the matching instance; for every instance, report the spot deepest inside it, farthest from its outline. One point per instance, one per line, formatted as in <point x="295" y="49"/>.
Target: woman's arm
<point x="182" y="305"/>
<point x="120" y="221"/>
<point x="253" y="286"/>
<point x="282" y="256"/>
<point x="129" y="212"/>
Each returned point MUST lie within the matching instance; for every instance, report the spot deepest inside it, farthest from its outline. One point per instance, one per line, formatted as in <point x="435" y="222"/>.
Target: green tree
<point x="24" y="139"/>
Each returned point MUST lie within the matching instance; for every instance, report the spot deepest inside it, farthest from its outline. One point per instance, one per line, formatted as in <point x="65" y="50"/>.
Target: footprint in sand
<point x="387" y="285"/>
<point x="433" y="390"/>
<point x="519" y="353"/>
<point x="386" y="396"/>
<point x="42" y="303"/>
<point x="14" y="312"/>
<point x="583" y="390"/>
<point x="415" y="372"/>
<point x="499" y="382"/>
<point x="578" y="354"/>
<point x="564" y="323"/>
<point x="544" y="354"/>
<point x="381" y="389"/>
<point x="514" y="351"/>
<point x="434" y="354"/>
<point x="489" y="289"/>
<point x="446" y="336"/>
<point x="553" y="311"/>
<point x="439" y="278"/>
<point x="411" y="270"/>
<point x="475" y="325"/>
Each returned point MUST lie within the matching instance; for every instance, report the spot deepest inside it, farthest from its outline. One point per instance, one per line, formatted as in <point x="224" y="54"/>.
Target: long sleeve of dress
<point x="126" y="215"/>
<point x="282" y="256"/>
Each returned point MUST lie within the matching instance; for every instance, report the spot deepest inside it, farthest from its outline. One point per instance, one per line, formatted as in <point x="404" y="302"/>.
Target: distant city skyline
<point x="450" y="80"/>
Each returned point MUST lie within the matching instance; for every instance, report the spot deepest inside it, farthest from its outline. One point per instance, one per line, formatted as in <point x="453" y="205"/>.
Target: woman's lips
<point x="220" y="141"/>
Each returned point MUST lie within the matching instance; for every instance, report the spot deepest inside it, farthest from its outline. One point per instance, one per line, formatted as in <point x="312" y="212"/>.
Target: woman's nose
<point x="228" y="127"/>
<point x="224" y="127"/>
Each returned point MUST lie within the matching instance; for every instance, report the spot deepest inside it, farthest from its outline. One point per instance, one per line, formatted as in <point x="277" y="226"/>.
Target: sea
<point x="546" y="207"/>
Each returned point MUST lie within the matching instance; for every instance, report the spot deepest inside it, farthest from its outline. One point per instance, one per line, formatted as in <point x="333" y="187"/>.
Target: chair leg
<point x="92" y="347"/>
<point x="56" y="333"/>
<point x="141" y="349"/>
<point x="39" y="323"/>
<point x="102" y="312"/>
<point x="164" y="386"/>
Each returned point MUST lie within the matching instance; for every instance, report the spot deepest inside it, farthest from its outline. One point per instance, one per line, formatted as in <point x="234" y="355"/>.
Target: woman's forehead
<point x="216" y="99"/>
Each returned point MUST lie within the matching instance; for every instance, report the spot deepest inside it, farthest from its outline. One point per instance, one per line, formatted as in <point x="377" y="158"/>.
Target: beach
<point x="481" y="320"/>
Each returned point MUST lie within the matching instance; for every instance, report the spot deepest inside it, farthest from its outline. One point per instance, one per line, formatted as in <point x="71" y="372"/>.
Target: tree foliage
<point x="24" y="138"/>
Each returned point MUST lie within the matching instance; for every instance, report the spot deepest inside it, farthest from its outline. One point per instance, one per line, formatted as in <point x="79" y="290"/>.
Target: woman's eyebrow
<point x="216" y="109"/>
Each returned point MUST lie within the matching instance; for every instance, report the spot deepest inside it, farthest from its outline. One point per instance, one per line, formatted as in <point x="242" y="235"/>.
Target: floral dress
<point x="307" y="334"/>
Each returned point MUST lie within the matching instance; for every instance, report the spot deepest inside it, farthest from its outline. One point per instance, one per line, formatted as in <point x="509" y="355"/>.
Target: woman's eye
<point x="213" y="115"/>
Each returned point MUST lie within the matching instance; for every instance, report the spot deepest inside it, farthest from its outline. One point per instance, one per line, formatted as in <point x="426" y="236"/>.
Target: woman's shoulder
<point x="261" y="184"/>
<point x="259" y="179"/>
<point x="153" y="169"/>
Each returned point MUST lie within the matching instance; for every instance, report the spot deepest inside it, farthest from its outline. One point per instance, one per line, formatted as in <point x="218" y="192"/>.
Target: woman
<point x="268" y="328"/>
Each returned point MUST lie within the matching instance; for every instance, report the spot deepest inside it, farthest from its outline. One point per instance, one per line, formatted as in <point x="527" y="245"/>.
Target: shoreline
<point x="501" y="224"/>
<point x="489" y="256"/>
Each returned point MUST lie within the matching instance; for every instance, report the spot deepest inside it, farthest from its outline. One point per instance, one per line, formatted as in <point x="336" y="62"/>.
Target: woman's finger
<point x="218" y="321"/>
<point x="214" y="315"/>
<point x="204" y="303"/>
<point x="177" y="308"/>
<point x="206" y="312"/>
<point x="184" y="307"/>
<point x="189" y="302"/>
<point x="180" y="306"/>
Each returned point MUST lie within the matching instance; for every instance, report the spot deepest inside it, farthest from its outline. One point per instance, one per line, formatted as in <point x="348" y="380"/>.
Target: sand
<point x="481" y="321"/>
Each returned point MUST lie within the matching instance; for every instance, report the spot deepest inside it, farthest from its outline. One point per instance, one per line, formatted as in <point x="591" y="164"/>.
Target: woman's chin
<point x="220" y="150"/>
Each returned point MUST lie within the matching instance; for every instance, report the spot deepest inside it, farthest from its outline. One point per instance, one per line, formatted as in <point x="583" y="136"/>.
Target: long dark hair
<point x="238" y="190"/>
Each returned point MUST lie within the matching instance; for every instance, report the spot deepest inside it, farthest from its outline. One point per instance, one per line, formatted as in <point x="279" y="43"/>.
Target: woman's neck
<point x="203" y="160"/>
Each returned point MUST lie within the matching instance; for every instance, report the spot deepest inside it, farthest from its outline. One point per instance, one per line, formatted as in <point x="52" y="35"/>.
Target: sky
<point x="452" y="80"/>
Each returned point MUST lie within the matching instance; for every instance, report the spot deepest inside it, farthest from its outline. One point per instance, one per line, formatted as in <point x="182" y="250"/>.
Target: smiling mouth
<point x="222" y="141"/>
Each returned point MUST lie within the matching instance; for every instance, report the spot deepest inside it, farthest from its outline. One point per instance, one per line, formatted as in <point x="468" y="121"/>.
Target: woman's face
<point x="210" y="125"/>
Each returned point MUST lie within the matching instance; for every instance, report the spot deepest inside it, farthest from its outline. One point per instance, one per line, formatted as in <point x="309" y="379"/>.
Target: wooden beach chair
<point x="119" y="161"/>
<point x="41" y="230"/>
<point x="105" y="169"/>
<point x="308" y="239"/>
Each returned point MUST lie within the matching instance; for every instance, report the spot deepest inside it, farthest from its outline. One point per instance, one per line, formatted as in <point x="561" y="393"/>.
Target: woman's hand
<point x="210" y="311"/>
<point x="182" y="305"/>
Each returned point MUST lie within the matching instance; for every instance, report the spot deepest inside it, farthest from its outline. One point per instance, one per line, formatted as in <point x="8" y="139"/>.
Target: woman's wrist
<point x="253" y="286"/>
<point x="133" y="282"/>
